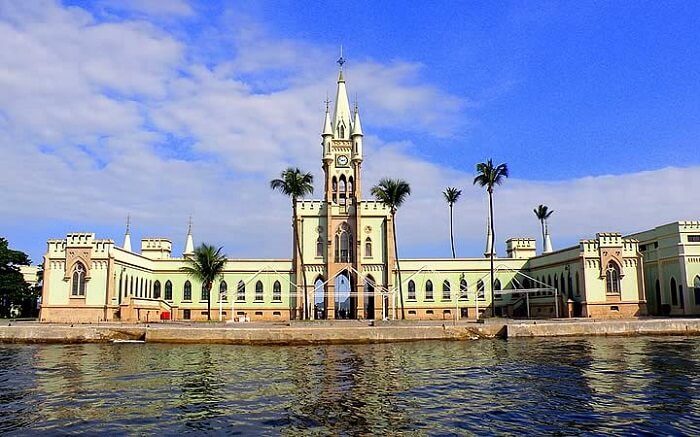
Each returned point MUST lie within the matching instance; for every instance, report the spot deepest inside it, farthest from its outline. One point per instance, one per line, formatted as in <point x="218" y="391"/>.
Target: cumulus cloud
<point x="100" y="119"/>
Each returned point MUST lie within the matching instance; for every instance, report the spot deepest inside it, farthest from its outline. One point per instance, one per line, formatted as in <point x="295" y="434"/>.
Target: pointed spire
<point x="356" y="125"/>
<point x="327" y="128"/>
<point x="341" y="113"/>
<point x="489" y="243"/>
<point x="189" y="244"/>
<point x="127" y="234"/>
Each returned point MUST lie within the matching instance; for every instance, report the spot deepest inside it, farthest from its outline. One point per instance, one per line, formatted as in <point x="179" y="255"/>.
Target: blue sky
<point x="165" y="109"/>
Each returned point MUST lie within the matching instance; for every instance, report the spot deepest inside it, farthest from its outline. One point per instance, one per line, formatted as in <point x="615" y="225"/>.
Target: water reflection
<point x="531" y="386"/>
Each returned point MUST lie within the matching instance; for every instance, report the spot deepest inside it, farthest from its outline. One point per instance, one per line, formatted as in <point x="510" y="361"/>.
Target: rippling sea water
<point x="588" y="386"/>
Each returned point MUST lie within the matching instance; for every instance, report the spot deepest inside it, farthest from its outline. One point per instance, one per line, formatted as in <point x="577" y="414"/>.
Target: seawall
<point x="337" y="332"/>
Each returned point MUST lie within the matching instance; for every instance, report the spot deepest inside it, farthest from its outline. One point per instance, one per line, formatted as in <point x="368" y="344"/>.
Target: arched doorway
<point x="319" y="306"/>
<point x="343" y="301"/>
<point x="369" y="297"/>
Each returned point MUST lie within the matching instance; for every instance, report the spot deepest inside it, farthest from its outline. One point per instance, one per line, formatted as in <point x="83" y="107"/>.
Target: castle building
<point x="349" y="265"/>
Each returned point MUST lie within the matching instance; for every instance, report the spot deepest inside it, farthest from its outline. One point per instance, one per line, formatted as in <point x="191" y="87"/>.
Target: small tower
<point x="189" y="244"/>
<point x="356" y="135"/>
<point x="127" y="236"/>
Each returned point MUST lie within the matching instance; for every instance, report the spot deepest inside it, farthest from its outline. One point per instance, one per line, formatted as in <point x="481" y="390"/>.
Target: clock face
<point x="342" y="160"/>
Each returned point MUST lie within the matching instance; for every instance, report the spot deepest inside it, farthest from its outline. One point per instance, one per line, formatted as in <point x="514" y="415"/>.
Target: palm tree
<point x="451" y="196"/>
<point x="206" y="264"/>
<point x="295" y="184"/>
<point x="393" y="192"/>
<point x="543" y="212"/>
<point x="489" y="176"/>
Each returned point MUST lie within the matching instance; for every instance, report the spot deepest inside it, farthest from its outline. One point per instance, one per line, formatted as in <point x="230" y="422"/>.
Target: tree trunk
<point x="301" y="259"/>
<point x="209" y="301"/>
<point x="493" y="249"/>
<point x="452" y="236"/>
<point x="398" y="266"/>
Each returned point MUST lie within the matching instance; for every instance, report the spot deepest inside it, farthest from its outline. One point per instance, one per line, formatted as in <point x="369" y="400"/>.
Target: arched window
<point x="131" y="286"/>
<point x="351" y="184"/>
<point x="319" y="247"/>
<point x="496" y="287"/>
<point x="674" y="294"/>
<point x="578" y="289"/>
<point x="549" y="280"/>
<point x="463" y="289"/>
<point x="696" y="290"/>
<point x="342" y="189"/>
<point x="341" y="130"/>
<point x="277" y="291"/>
<point x="168" y="290"/>
<point x="240" y="291"/>
<point x="612" y="281"/>
<point x="411" y="290"/>
<point x="335" y="189"/>
<point x="570" y="284"/>
<point x="562" y="282"/>
<point x="258" y="291"/>
<point x="446" y="295"/>
<point x="78" y="285"/>
<point x="480" y="289"/>
<point x="223" y="291"/>
<point x="156" y="290"/>
<point x="187" y="291"/>
<point x="429" y="290"/>
<point x="343" y="243"/>
<point x="205" y="294"/>
<point x="368" y="247"/>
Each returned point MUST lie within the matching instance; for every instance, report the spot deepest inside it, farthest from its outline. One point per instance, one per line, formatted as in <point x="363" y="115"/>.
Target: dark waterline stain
<point x="586" y="386"/>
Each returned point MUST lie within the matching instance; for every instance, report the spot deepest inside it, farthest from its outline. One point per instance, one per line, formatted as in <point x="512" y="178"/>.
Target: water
<point x="590" y="386"/>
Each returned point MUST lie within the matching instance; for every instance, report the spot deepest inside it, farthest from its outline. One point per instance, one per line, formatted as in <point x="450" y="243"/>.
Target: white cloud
<point x="86" y="109"/>
<point x="152" y="7"/>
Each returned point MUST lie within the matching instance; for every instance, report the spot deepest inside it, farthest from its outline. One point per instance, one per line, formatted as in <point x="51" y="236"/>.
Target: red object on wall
<point x="165" y="315"/>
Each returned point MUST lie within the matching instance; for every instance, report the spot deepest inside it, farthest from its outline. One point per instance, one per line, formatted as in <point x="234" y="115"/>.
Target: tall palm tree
<point x="451" y="196"/>
<point x="296" y="184"/>
<point x="543" y="212"/>
<point x="489" y="176"/>
<point x="206" y="264"/>
<point x="393" y="193"/>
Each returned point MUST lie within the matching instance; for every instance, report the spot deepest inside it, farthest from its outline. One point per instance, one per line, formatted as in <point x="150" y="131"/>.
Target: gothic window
<point x="335" y="189"/>
<point x="341" y="130"/>
<point x="121" y="281"/>
<point x="156" y="290"/>
<point x="696" y="290"/>
<point x="463" y="289"/>
<point x="205" y="295"/>
<point x="168" y="290"/>
<point x="277" y="291"/>
<point x="131" y="286"/>
<point x="343" y="244"/>
<point x="351" y="183"/>
<point x="240" y="291"/>
<point x="429" y="290"/>
<point x="368" y="247"/>
<point x="562" y="283"/>
<point x="496" y="288"/>
<point x="412" y="290"/>
<point x="612" y="281"/>
<point x="578" y="289"/>
<point x="78" y="286"/>
<point x="258" y="291"/>
<point x="342" y="190"/>
<point x="319" y="247"/>
<point x="187" y="291"/>
<point x="674" y="295"/>
<point x="223" y="291"/>
<point x="570" y="284"/>
<point x="480" y="289"/>
<point x="446" y="295"/>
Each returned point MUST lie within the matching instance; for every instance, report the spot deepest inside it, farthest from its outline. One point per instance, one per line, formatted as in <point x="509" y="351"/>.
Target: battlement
<point x="81" y="239"/>
<point x="156" y="248"/>
<point x="520" y="247"/>
<point x="689" y="225"/>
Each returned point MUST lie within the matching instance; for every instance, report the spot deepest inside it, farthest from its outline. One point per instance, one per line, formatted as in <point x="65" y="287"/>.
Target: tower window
<point x="319" y="247"/>
<point x="343" y="244"/>
<point x="368" y="247"/>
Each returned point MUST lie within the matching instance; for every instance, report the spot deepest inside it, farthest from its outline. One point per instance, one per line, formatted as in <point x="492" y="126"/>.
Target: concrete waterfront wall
<point x="604" y="327"/>
<point x="282" y="335"/>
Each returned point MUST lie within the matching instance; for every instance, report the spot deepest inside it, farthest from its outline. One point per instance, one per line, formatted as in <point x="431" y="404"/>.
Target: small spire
<point x="189" y="227"/>
<point x="127" y="235"/>
<point x="327" y="102"/>
<point x="341" y="60"/>
<point x="189" y="243"/>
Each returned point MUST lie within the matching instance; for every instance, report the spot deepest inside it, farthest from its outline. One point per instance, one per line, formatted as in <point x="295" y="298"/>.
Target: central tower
<point x="342" y="168"/>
